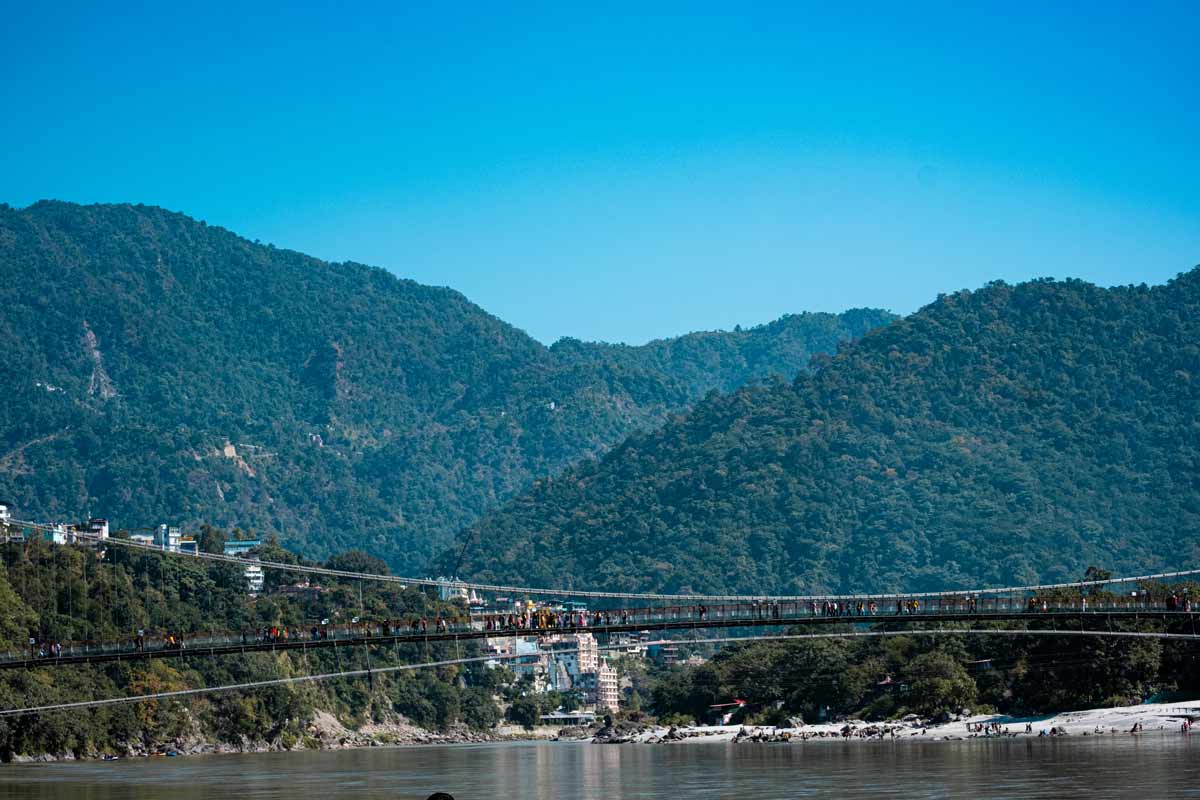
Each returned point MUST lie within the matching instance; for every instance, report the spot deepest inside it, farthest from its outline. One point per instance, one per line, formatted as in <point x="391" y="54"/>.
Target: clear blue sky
<point x="601" y="172"/>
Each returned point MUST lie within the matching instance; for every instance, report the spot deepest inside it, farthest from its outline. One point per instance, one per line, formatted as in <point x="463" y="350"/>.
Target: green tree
<point x="938" y="684"/>
<point x="211" y="540"/>
<point x="525" y="711"/>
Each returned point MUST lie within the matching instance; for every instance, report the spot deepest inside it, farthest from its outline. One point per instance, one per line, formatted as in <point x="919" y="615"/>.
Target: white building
<point x="530" y="660"/>
<point x="167" y="537"/>
<point x="576" y="653"/>
<point x="5" y="512"/>
<point x="254" y="578"/>
<point x="600" y="687"/>
<point x="451" y="589"/>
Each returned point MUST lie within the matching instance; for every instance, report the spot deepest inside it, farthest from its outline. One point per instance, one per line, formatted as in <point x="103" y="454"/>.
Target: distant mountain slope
<point x="1008" y="434"/>
<point x="159" y="369"/>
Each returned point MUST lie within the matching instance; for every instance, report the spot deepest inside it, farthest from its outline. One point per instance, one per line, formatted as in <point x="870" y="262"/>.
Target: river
<point x="1154" y="766"/>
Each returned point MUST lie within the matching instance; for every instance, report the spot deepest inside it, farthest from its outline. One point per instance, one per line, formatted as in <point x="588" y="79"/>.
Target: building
<point x="564" y="719"/>
<point x="167" y="538"/>
<point x="97" y="528"/>
<point x="189" y="545"/>
<point x="5" y="512"/>
<point x="529" y="661"/>
<point x="600" y="688"/>
<point x="240" y="547"/>
<point x="578" y="649"/>
<point x="664" y="654"/>
<point x="450" y="589"/>
<point x="255" y="579"/>
<point x="55" y="534"/>
<point x="142" y="538"/>
<point x="629" y="644"/>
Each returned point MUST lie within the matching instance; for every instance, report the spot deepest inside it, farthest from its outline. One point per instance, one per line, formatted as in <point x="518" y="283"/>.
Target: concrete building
<point x="530" y="660"/>
<point x="255" y="579"/>
<point x="578" y="649"/>
<point x="97" y="528"/>
<point x="450" y="589"/>
<point x="600" y="688"/>
<point x="5" y="512"/>
<point x="664" y="654"/>
<point x="167" y="537"/>
<point x="629" y="644"/>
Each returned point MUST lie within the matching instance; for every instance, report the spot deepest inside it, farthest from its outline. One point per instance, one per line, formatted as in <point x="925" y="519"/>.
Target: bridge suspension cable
<point x="360" y="673"/>
<point x="592" y="593"/>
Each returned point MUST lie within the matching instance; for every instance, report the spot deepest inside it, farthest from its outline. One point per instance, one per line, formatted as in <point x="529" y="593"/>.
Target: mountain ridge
<point x="173" y="371"/>
<point x="1005" y="435"/>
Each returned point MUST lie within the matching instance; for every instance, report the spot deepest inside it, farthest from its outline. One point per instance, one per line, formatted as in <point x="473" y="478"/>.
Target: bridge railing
<point x="540" y="621"/>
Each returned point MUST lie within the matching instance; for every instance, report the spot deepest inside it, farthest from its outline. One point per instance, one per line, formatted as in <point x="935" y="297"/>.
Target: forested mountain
<point x="157" y="369"/>
<point x="1009" y="434"/>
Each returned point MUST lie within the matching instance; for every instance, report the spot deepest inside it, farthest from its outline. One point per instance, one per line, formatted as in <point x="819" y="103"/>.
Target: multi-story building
<point x="600" y="687"/>
<point x="579" y="649"/>
<point x="629" y="644"/>
<point x="56" y="534"/>
<point x="529" y="661"/>
<point x="167" y="537"/>
<point x="5" y="512"/>
<point x="97" y="528"/>
<point x="664" y="654"/>
<point x="255" y="579"/>
<point x="451" y="589"/>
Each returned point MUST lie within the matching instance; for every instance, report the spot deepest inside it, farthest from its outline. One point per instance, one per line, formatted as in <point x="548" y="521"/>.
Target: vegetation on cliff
<point x="1000" y="436"/>
<point x="162" y="370"/>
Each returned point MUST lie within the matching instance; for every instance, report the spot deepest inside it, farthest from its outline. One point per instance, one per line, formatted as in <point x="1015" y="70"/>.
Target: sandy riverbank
<point x="1154" y="718"/>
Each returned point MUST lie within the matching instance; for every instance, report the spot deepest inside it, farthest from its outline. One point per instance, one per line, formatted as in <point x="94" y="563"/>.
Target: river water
<point x="1154" y="766"/>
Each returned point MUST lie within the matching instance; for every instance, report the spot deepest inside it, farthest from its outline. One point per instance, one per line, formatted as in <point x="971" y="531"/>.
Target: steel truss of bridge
<point x="676" y="619"/>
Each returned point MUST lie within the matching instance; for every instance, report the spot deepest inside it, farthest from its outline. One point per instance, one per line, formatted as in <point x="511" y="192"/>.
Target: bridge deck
<point x="375" y="633"/>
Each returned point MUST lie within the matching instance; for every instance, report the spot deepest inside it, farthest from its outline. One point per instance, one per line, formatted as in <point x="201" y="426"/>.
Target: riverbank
<point x="1167" y="718"/>
<point x="322" y="732"/>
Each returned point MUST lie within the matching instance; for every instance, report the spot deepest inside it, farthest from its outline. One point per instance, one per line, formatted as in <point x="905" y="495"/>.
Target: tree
<point x="357" y="561"/>
<point x="938" y="684"/>
<point x="212" y="540"/>
<point x="525" y="711"/>
<point x="479" y="709"/>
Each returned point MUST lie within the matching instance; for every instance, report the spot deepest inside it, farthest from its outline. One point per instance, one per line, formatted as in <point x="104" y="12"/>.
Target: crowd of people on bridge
<point x="1177" y="603"/>
<point x="549" y="618"/>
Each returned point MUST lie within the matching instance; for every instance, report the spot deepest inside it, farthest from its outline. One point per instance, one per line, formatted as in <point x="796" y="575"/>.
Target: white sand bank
<point x="1153" y="717"/>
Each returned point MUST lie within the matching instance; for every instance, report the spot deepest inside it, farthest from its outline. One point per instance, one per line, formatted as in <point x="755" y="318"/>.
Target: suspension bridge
<point x="928" y="610"/>
<point x="1078" y="608"/>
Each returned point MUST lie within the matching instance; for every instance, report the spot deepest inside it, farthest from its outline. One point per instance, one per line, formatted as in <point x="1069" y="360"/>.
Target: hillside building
<point x="167" y="537"/>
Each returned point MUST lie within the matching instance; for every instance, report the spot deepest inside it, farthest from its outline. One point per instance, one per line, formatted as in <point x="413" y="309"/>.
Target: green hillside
<point x="161" y="370"/>
<point x="1009" y="434"/>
